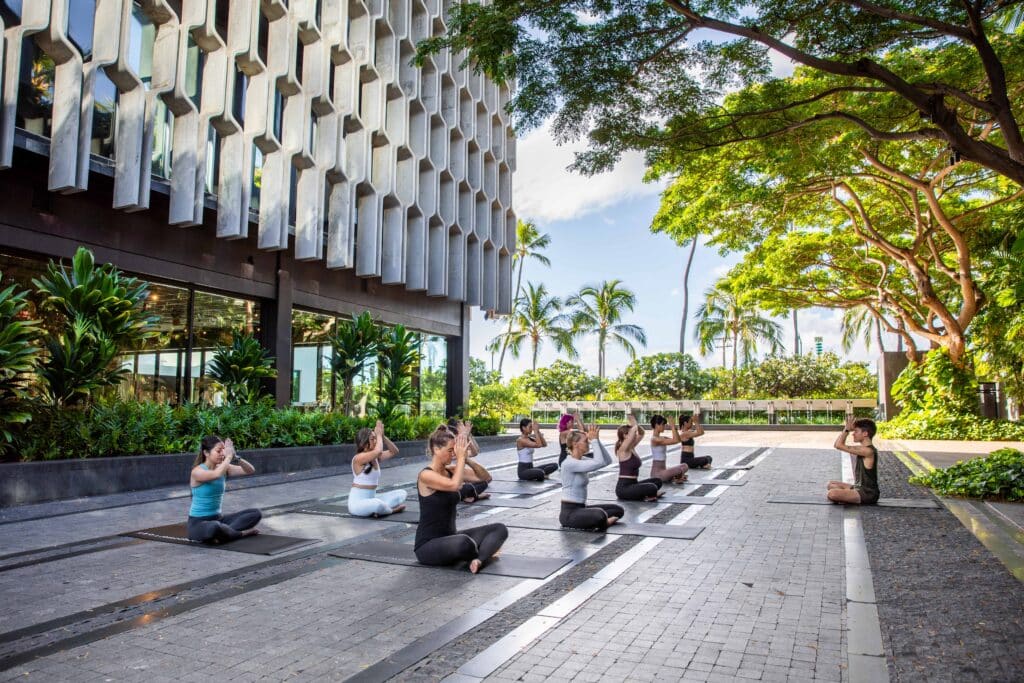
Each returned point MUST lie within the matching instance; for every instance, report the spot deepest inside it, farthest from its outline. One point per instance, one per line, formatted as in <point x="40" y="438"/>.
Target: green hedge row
<point x="130" y="428"/>
<point x="948" y="425"/>
<point x="998" y="475"/>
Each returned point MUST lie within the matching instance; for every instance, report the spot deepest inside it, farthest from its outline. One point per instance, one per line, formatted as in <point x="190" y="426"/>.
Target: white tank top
<point x="371" y="478"/>
<point x="525" y="455"/>
<point x="658" y="452"/>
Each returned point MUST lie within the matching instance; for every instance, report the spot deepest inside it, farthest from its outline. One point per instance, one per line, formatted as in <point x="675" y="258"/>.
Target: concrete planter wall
<point x="37" y="482"/>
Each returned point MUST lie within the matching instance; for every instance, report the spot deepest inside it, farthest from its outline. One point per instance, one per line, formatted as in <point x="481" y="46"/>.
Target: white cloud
<point x="545" y="190"/>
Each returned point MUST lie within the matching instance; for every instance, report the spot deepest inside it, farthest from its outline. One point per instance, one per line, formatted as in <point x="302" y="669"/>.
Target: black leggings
<point x="527" y="472"/>
<point x="478" y="543"/>
<point x="472" y="489"/>
<point x="692" y="461"/>
<point x="580" y="516"/>
<point x="222" y="528"/>
<point x="631" y="489"/>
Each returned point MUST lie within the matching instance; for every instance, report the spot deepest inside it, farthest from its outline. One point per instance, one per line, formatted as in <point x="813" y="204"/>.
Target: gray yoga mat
<point x="519" y="503"/>
<point x="922" y="503"/>
<point x="667" y="498"/>
<point x="410" y="515"/>
<point x="702" y="481"/>
<point x="402" y="553"/>
<point x="259" y="544"/>
<point x="686" y="533"/>
<point x="528" y="488"/>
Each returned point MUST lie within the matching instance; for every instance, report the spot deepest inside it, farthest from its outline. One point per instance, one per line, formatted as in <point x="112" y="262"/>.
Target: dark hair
<point x="205" y="446"/>
<point x="524" y="423"/>
<point x="684" y="416"/>
<point x="658" y="420"/>
<point x="867" y="424"/>
<point x="439" y="439"/>
<point x="362" y="441"/>
<point x="453" y="423"/>
<point x="621" y="433"/>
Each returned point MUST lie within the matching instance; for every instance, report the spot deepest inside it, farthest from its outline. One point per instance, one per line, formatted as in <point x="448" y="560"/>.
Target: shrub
<point x="665" y="376"/>
<point x="487" y="426"/>
<point x="1000" y="475"/>
<point x="936" y="383"/>
<point x="18" y="353"/>
<point x="500" y="401"/>
<point x="939" y="423"/>
<point x="561" y="381"/>
<point x="241" y="368"/>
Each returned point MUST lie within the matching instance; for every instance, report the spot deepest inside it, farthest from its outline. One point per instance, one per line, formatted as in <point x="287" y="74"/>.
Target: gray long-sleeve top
<point x="574" y="473"/>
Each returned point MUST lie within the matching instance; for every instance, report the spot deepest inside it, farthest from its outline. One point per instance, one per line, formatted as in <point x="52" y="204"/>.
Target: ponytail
<point x="439" y="439"/>
<point x="205" y="446"/>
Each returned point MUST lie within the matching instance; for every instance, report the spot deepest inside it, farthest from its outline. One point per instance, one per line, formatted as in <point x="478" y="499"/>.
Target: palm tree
<point x="686" y="299"/>
<point x="529" y="243"/>
<point x="536" y="317"/>
<point x="860" y="324"/>
<point x="724" y="316"/>
<point x="598" y="310"/>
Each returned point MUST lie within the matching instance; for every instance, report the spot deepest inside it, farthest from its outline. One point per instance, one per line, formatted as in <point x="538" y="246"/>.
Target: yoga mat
<point x="686" y="533"/>
<point x="923" y="503"/>
<point x="520" y="503"/>
<point x="725" y="467"/>
<point x="522" y="487"/>
<point x="410" y="515"/>
<point x="402" y="553"/>
<point x="260" y="544"/>
<point x="667" y="498"/>
<point x="716" y="482"/>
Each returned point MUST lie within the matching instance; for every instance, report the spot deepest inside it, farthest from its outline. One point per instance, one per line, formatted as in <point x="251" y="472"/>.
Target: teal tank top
<point x="206" y="497"/>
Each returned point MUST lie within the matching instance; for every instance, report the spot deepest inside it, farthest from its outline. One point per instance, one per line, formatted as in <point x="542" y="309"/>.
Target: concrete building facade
<point x="272" y="161"/>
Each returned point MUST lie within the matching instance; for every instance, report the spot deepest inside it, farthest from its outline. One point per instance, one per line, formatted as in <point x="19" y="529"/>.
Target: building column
<point x="457" y="395"/>
<point x="277" y="336"/>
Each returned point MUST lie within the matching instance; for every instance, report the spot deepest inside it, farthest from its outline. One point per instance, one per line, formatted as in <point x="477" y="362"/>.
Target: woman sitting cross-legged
<point x="576" y="514"/>
<point x="475" y="477"/>
<point x="628" y="488"/>
<point x="659" y="452"/>
<point x="363" y="500"/>
<point x="689" y="429"/>
<point x="530" y="439"/>
<point x="864" y="490"/>
<point x="438" y="542"/>
<point x="217" y="461"/>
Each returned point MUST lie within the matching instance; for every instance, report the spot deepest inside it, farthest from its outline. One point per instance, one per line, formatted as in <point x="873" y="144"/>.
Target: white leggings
<point x="366" y="503"/>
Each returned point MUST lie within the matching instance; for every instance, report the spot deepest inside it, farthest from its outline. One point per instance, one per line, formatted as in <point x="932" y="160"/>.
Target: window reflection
<point x="218" y="319"/>
<point x="80" y="25"/>
<point x="104" y="115"/>
<point x="433" y="375"/>
<point x="10" y="12"/>
<point x="195" y="60"/>
<point x="141" y="38"/>
<point x="312" y="383"/>
<point x="35" y="90"/>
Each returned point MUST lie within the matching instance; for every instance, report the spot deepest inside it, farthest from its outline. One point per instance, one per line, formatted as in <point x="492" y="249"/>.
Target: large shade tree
<point x="599" y="310"/>
<point x="649" y="74"/>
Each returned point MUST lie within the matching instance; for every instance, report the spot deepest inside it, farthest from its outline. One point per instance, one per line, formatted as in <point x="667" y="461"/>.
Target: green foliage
<point x="998" y="475"/>
<point x="487" y="426"/>
<point x="103" y="314"/>
<point x="353" y="344"/>
<point x="940" y="423"/>
<point x="479" y="375"/>
<point x="936" y="383"/>
<point x="666" y="376"/>
<point x="241" y="368"/>
<point x="18" y="352"/>
<point x="805" y="376"/>
<point x="500" y="401"/>
<point x="598" y="310"/>
<point x="536" y="317"/>
<point x="561" y="381"/>
<point x="998" y="332"/>
<point x="399" y="356"/>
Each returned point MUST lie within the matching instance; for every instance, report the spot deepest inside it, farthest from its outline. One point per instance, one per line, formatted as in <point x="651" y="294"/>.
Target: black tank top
<point x="563" y="450"/>
<point x="631" y="467"/>
<point x="866" y="480"/>
<point x="437" y="516"/>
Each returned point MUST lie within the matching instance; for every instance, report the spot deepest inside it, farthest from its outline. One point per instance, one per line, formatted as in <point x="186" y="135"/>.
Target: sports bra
<point x="526" y="455"/>
<point x="630" y="467"/>
<point x="686" y="442"/>
<point x="371" y="478"/>
<point x="659" y="452"/>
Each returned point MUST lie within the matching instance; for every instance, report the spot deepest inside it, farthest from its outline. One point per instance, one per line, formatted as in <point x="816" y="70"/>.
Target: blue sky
<point x="600" y="230"/>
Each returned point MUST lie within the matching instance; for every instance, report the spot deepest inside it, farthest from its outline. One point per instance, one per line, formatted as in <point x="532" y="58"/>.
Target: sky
<point x="600" y="230"/>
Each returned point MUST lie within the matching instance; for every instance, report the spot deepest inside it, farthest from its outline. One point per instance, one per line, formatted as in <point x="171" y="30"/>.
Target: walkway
<point x="766" y="592"/>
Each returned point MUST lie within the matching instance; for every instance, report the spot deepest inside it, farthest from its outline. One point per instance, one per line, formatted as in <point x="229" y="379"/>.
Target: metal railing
<point x="722" y="411"/>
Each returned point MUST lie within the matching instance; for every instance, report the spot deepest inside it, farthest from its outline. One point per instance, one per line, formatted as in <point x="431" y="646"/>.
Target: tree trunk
<point x="686" y="300"/>
<point x="735" y="343"/>
<point x="878" y="336"/>
<point x="508" y="332"/>
<point x="796" y="336"/>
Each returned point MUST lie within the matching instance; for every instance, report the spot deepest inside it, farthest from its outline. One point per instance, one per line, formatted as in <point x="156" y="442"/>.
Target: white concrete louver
<point x="399" y="172"/>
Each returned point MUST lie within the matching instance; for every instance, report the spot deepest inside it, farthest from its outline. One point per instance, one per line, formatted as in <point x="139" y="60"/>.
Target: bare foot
<point x="483" y="496"/>
<point x="612" y="520"/>
<point x="250" y="532"/>
<point x="397" y="508"/>
<point x="469" y="500"/>
<point x="475" y="566"/>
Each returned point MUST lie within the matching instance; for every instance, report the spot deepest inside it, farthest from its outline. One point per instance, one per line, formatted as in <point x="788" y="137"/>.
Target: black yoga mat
<point x="410" y="515"/>
<point x="667" y="498"/>
<point x="924" y="503"/>
<point x="686" y="533"/>
<point x="522" y="487"/>
<point x="519" y="503"/>
<point x="260" y="544"/>
<point x="702" y="481"/>
<point x="402" y="553"/>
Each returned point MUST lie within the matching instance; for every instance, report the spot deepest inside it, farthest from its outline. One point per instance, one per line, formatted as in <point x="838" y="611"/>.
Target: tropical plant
<point x="18" y="352"/>
<point x="949" y="425"/>
<point x="936" y="383"/>
<point x="240" y="369"/>
<point x="353" y="344"/>
<point x="665" y="376"/>
<point x="78" y="361"/>
<point x="537" y="317"/>
<point x="999" y="475"/>
<point x="598" y="309"/>
<point x="998" y="335"/>
<point x="399" y="356"/>
<point x="859" y="324"/>
<point x="725" y="316"/>
<point x="500" y="401"/>
<point x="479" y="375"/>
<point x="561" y="381"/>
<point x="529" y="244"/>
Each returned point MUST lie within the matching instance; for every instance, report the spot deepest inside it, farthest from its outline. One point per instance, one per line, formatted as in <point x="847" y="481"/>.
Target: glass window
<point x="163" y="136"/>
<point x="35" y="90"/>
<point x="212" y="160"/>
<point x="433" y="376"/>
<point x="311" y="359"/>
<point x="141" y="38"/>
<point x="194" y="62"/>
<point x="10" y="12"/>
<point x="21" y="271"/>
<point x="217" y="320"/>
<point x="158" y="365"/>
<point x="238" y="107"/>
<point x="80" y="18"/>
<point x="262" y="36"/>
<point x="257" y="178"/>
<point x="104" y="115"/>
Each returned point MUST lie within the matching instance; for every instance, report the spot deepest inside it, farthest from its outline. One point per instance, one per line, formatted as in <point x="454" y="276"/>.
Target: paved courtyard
<point x="771" y="592"/>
